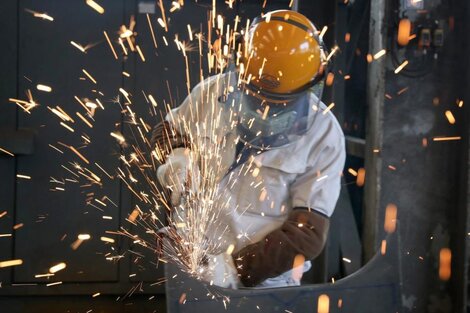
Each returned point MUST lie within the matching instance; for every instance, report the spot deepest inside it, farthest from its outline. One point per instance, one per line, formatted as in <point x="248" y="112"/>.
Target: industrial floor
<point x="81" y="304"/>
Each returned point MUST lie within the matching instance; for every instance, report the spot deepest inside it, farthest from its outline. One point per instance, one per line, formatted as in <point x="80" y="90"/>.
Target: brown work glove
<point x="303" y="233"/>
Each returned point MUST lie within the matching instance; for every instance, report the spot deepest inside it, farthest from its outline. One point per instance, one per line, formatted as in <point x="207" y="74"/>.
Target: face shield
<point x="271" y="121"/>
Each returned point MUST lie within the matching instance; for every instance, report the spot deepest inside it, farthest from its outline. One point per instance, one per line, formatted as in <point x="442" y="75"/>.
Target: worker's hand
<point x="180" y="174"/>
<point x="220" y="271"/>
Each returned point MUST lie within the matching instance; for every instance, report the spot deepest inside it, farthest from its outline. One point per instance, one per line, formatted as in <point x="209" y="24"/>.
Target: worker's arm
<point x="186" y="124"/>
<point x="314" y="195"/>
<point x="304" y="233"/>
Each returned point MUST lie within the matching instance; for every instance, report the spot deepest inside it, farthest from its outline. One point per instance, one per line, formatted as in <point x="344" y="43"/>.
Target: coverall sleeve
<point x="319" y="187"/>
<point x="197" y="112"/>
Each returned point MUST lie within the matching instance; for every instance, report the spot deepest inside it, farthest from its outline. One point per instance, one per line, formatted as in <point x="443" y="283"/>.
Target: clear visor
<point x="266" y="123"/>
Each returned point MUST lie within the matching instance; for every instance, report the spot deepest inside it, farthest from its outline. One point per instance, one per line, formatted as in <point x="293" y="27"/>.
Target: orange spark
<point x="78" y="154"/>
<point x="404" y="32"/>
<point x="118" y="136"/>
<point x="352" y="172"/>
<point x="54" y="284"/>
<point x="151" y="31"/>
<point x="380" y="54"/>
<point x="332" y="104"/>
<point x="78" y="46"/>
<point x="323" y="304"/>
<point x="43" y="275"/>
<point x="330" y="78"/>
<point x="83" y="236"/>
<point x="134" y="215"/>
<point x="107" y="239"/>
<point x="230" y="249"/>
<point x="67" y="127"/>
<point x="298" y="267"/>
<point x="190" y="33"/>
<point x="162" y="9"/>
<point x="76" y="244"/>
<point x="18" y="226"/>
<point x="122" y="46"/>
<point x="402" y="66"/>
<point x="323" y="32"/>
<point x="84" y="119"/>
<point x="383" y="247"/>
<point x="98" y="8"/>
<point x="140" y="53"/>
<point x="89" y="76"/>
<point x="23" y="176"/>
<point x="6" y="152"/>
<point x="110" y="45"/>
<point x="11" y="263"/>
<point x="175" y="6"/>
<point x="446" y="138"/>
<point x="332" y="53"/>
<point x="361" y="177"/>
<point x="390" y="218"/>
<point x="44" y="88"/>
<point x="125" y="94"/>
<point x="424" y="142"/>
<point x="450" y="117"/>
<point x="263" y="195"/>
<point x="57" y="267"/>
<point x="182" y="298"/>
<point x="445" y="258"/>
<point x="82" y="104"/>
<point x="152" y="100"/>
<point x="44" y="16"/>
<point x="402" y="90"/>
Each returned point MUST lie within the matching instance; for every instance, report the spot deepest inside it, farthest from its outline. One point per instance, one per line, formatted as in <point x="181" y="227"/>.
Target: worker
<point x="282" y="152"/>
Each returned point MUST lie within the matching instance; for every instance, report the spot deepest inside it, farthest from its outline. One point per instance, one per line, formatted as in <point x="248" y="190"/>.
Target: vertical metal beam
<point x="461" y="248"/>
<point x="339" y="65"/>
<point x="295" y="6"/>
<point x="374" y="129"/>
<point x="461" y="245"/>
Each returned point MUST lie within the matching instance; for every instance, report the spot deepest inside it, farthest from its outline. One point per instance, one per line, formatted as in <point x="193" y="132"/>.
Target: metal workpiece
<point x="376" y="287"/>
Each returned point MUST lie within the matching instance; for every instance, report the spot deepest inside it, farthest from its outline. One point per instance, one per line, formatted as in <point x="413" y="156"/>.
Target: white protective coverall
<point x="304" y="173"/>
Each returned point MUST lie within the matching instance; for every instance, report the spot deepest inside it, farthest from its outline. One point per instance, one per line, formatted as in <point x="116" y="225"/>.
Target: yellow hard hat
<point x="282" y="54"/>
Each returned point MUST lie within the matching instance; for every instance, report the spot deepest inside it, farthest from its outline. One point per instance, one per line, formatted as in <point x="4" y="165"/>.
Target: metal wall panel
<point x="52" y="220"/>
<point x="8" y="79"/>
